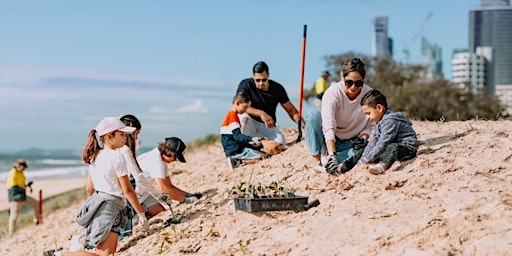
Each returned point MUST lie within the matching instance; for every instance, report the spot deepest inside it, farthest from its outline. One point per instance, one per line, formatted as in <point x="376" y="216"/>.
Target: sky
<point x="176" y="64"/>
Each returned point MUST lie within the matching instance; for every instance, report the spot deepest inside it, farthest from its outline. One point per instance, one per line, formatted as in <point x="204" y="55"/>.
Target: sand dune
<point x="455" y="198"/>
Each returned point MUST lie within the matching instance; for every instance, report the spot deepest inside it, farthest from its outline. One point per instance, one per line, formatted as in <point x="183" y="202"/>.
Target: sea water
<point x="45" y="165"/>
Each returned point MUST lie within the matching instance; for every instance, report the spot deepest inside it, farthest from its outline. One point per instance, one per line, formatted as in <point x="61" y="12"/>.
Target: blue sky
<point x="175" y="64"/>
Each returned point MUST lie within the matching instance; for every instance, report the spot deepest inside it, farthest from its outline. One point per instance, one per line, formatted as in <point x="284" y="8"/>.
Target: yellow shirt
<point x="15" y="178"/>
<point x="320" y="85"/>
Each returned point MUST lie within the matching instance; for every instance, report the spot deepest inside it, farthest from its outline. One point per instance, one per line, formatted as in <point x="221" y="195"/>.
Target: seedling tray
<point x="278" y="203"/>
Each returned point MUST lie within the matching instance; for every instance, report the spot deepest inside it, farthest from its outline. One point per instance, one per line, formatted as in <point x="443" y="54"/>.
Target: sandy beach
<point x="454" y="198"/>
<point x="50" y="187"/>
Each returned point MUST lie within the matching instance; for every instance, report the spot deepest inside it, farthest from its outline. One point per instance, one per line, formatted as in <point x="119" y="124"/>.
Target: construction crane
<point x="418" y="33"/>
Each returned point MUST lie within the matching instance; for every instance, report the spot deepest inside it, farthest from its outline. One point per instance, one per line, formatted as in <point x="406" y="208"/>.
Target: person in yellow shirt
<point x="16" y="188"/>
<point x="320" y="88"/>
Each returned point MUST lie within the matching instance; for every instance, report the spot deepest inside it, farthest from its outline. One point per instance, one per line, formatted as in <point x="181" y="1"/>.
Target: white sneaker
<point x="324" y="159"/>
<point x="376" y="169"/>
<point x="75" y="245"/>
<point x="319" y="169"/>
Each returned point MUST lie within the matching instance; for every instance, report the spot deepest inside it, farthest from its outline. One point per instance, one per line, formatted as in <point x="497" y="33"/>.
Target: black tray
<point x="295" y="203"/>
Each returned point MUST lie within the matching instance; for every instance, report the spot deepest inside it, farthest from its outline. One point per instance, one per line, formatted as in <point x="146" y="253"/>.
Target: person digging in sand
<point x="392" y="139"/>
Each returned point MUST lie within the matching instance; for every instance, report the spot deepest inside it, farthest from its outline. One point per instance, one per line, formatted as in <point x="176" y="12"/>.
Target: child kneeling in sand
<point x="154" y="166"/>
<point x="235" y="144"/>
<point x="104" y="213"/>
<point x="392" y="138"/>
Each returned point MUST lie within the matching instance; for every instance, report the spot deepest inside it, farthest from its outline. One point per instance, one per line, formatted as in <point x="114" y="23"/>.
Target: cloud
<point x="32" y="74"/>
<point x="196" y="107"/>
<point x="159" y="110"/>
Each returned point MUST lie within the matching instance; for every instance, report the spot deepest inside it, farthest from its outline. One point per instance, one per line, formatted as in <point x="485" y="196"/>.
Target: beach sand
<point x="50" y="187"/>
<point x="454" y="198"/>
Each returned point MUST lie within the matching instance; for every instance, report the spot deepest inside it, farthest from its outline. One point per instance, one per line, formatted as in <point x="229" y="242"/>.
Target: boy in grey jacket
<point x="392" y="138"/>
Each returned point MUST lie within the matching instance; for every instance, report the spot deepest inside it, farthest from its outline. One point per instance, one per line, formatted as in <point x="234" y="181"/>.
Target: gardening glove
<point x="255" y="141"/>
<point x="191" y="198"/>
<point x="198" y="195"/>
<point x="332" y="164"/>
<point x="358" y="143"/>
<point x="143" y="225"/>
<point x="166" y="198"/>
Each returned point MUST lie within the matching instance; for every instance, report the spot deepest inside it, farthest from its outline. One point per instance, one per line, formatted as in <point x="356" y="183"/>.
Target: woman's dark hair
<point x="132" y="121"/>
<point x="374" y="97"/>
<point x="260" y="67"/>
<point x="353" y="65"/>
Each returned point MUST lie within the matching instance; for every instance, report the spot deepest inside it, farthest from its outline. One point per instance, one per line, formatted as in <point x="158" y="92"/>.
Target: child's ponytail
<point x="91" y="148"/>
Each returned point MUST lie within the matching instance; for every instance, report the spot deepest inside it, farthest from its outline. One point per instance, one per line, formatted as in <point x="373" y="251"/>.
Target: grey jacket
<point x="394" y="127"/>
<point x="97" y="216"/>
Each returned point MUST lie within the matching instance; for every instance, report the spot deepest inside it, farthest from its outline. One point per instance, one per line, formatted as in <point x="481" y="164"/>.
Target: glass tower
<point x="382" y="44"/>
<point x="490" y="25"/>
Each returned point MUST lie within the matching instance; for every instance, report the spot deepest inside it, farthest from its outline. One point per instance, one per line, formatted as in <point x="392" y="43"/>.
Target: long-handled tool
<point x="301" y="91"/>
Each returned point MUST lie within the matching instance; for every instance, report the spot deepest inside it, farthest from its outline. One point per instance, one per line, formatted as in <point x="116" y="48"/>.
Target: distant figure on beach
<point x="265" y="94"/>
<point x="393" y="138"/>
<point x="154" y="166"/>
<point x="321" y="85"/>
<point x="17" y="194"/>
<point x="341" y="119"/>
<point x="238" y="147"/>
<point x="104" y="213"/>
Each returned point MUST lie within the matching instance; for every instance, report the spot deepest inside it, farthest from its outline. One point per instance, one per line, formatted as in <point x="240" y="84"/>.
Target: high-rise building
<point x="382" y="44"/>
<point x="490" y="25"/>
<point x="469" y="70"/>
<point x="432" y="59"/>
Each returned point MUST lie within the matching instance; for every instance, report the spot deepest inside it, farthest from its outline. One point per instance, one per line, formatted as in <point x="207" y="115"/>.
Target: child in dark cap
<point x="154" y="166"/>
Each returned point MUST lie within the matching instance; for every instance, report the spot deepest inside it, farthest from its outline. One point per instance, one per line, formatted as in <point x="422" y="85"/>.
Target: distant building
<point x="504" y="93"/>
<point x="431" y="58"/>
<point x="490" y="25"/>
<point x="469" y="70"/>
<point x="382" y="45"/>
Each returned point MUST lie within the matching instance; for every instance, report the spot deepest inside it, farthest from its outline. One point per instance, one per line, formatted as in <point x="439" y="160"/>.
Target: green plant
<point x="274" y="189"/>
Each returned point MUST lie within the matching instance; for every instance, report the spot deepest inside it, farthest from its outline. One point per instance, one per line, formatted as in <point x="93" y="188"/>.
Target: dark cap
<point x="22" y="162"/>
<point x="177" y="146"/>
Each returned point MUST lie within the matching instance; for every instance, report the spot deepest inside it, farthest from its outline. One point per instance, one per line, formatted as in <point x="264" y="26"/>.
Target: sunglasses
<point x="358" y="83"/>
<point x="261" y="80"/>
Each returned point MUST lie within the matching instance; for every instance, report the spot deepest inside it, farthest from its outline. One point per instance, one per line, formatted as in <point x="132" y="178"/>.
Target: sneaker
<point x="75" y="245"/>
<point x="234" y="163"/>
<point x="376" y="169"/>
<point x="319" y="169"/>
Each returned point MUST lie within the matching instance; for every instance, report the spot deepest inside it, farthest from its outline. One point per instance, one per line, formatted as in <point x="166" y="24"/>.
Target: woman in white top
<point x="341" y="119"/>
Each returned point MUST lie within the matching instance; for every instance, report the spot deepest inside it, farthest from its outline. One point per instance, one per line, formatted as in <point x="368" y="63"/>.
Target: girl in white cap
<point x="104" y="212"/>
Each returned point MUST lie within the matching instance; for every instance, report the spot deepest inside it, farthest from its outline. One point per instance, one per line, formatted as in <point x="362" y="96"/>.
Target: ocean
<point x="44" y="164"/>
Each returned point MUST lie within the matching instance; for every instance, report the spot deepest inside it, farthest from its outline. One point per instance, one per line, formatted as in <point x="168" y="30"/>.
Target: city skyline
<point x="175" y="65"/>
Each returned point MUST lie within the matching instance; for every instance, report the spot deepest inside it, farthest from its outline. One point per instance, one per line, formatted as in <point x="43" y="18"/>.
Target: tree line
<point x="407" y="91"/>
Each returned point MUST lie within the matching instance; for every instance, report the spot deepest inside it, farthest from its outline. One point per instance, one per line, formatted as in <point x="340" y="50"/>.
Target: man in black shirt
<point x="265" y="94"/>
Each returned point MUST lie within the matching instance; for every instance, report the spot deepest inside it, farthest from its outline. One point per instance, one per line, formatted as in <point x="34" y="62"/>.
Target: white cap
<point x="110" y="124"/>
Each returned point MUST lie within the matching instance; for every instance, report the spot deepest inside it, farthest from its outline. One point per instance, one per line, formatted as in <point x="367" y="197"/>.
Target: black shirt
<point x="264" y="100"/>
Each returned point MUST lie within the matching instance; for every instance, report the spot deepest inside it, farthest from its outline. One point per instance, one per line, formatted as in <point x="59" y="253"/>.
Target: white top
<point x="144" y="185"/>
<point x="153" y="167"/>
<point x="105" y="171"/>
<point x="342" y="117"/>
